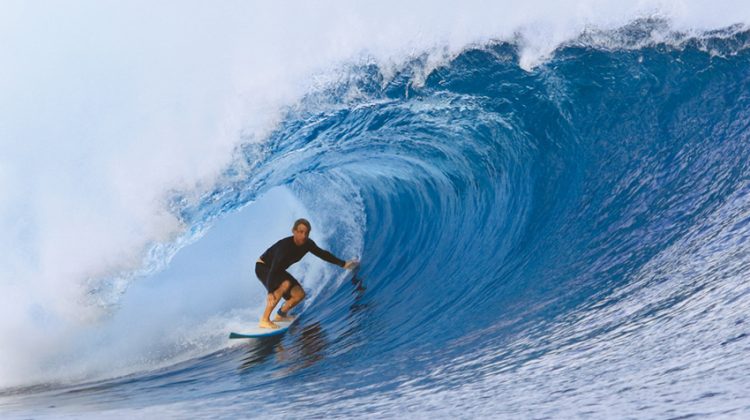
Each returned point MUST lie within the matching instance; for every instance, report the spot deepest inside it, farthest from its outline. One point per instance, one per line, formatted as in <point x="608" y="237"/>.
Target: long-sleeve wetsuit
<point x="284" y="253"/>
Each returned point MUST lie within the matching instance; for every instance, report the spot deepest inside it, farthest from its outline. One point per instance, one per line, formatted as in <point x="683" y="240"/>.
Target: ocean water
<point x="552" y="214"/>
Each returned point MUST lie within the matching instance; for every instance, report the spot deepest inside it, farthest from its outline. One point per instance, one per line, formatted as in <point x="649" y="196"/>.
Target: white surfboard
<point x="258" y="332"/>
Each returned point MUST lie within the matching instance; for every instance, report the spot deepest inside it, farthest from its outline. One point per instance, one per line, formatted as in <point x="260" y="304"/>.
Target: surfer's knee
<point x="282" y="289"/>
<point x="285" y="285"/>
<point x="297" y="293"/>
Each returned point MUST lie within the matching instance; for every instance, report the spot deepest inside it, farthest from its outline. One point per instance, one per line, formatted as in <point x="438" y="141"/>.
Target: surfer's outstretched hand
<point x="351" y="264"/>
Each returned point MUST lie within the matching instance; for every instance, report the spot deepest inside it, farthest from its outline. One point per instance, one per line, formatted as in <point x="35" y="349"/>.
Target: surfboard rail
<point x="257" y="332"/>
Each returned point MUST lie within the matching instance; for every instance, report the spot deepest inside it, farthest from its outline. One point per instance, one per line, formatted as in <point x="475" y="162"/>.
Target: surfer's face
<point x="300" y="234"/>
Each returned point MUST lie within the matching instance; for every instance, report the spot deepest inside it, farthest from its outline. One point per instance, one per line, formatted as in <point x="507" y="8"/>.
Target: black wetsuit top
<point x="285" y="252"/>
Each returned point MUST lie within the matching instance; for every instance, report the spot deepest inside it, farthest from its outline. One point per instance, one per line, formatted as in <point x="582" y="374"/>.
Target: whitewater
<point x="549" y="201"/>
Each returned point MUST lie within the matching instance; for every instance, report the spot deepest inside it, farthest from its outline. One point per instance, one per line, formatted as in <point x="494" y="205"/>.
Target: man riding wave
<point x="271" y="271"/>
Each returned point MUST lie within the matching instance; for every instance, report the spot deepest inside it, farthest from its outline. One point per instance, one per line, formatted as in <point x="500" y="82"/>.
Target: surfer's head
<point x="301" y="231"/>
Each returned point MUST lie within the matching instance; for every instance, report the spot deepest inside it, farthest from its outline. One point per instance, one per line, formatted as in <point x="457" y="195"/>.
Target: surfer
<point x="271" y="271"/>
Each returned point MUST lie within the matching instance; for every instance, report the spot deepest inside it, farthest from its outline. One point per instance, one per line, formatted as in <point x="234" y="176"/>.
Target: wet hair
<point x="302" y="222"/>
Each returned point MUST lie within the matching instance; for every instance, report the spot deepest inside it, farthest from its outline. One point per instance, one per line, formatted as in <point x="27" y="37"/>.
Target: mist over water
<point x="536" y="191"/>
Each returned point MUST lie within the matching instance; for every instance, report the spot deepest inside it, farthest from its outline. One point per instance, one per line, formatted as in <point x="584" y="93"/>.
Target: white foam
<point x="107" y="109"/>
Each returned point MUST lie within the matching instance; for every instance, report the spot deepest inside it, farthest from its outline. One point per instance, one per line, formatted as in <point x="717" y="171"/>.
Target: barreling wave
<point x="573" y="236"/>
<point x="564" y="240"/>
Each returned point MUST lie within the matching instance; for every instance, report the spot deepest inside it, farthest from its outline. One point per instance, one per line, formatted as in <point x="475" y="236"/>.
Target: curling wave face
<point x="557" y="242"/>
<point x="563" y="241"/>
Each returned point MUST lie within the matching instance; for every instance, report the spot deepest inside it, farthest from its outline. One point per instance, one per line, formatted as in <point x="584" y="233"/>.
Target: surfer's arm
<point x="326" y="255"/>
<point x="351" y="264"/>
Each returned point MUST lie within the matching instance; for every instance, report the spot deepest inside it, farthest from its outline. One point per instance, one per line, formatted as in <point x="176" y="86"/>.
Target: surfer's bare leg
<point x="271" y="301"/>
<point x="298" y="293"/>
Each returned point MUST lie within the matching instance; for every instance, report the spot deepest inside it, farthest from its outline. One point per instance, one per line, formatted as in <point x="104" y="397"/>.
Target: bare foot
<point x="288" y="318"/>
<point x="268" y="324"/>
